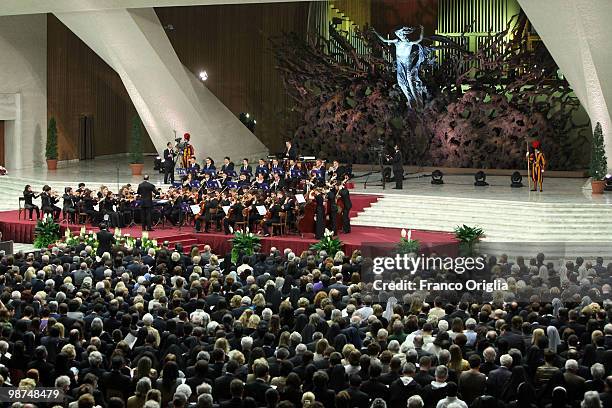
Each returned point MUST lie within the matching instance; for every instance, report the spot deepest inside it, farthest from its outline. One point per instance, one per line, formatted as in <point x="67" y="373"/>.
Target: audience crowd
<point x="163" y="329"/>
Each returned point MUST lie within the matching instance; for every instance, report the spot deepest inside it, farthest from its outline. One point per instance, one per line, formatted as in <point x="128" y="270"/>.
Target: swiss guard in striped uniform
<point x="188" y="151"/>
<point x="537" y="164"/>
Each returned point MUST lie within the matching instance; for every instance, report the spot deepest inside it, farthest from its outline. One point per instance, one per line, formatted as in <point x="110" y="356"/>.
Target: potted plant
<point x="244" y="243"/>
<point x="407" y="245"/>
<point x="328" y="243"/>
<point x="46" y="232"/>
<point x="136" y="157"/>
<point x="51" y="148"/>
<point x="468" y="237"/>
<point x="599" y="162"/>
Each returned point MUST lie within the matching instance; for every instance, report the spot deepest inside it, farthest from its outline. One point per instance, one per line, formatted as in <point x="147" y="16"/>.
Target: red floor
<point x="372" y="241"/>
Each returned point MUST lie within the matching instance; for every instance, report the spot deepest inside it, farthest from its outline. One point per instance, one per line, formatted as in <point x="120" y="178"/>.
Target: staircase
<point x="502" y="221"/>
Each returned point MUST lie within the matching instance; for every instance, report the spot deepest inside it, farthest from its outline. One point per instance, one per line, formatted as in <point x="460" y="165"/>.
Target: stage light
<point x="436" y="177"/>
<point x="255" y="122"/>
<point x="480" y="179"/>
<point x="516" y="179"/>
<point x="247" y="115"/>
<point x="203" y="75"/>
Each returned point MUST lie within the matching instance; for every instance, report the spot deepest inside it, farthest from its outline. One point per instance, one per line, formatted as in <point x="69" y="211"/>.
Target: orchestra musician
<point x="28" y="196"/>
<point x="193" y="167"/>
<point x="262" y="168"/>
<point x="275" y="167"/>
<point x="344" y="195"/>
<point x="80" y="189"/>
<point x="146" y="191"/>
<point x="234" y="215"/>
<point x="108" y="206"/>
<point x="332" y="208"/>
<point x="48" y="200"/>
<point x="69" y="205"/>
<point x="209" y="166"/>
<point x="89" y="203"/>
<point x="318" y="171"/>
<point x="260" y="183"/>
<point x="246" y="168"/>
<point x="228" y="165"/>
<point x="277" y="183"/>
<point x="290" y="151"/>
<point x="317" y="195"/>
<point x="169" y="163"/>
<point x="272" y="217"/>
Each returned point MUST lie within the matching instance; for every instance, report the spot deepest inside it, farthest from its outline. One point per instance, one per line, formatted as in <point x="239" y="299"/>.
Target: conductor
<point x="106" y="240"/>
<point x="145" y="191"/>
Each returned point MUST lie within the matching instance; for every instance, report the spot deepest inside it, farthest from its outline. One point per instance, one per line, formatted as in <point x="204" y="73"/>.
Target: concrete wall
<point x="23" y="73"/>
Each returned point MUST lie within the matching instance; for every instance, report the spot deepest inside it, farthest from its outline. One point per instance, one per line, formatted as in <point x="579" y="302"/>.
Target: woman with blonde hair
<point x="457" y="362"/>
<point x="245" y="316"/>
<point x="222" y="344"/>
<point x="253" y="322"/>
<point x="308" y="399"/>
<point x="536" y="336"/>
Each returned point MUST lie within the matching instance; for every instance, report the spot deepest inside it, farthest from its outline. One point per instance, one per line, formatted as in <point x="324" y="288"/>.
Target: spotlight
<point x="516" y="179"/>
<point x="436" y="177"/>
<point x="203" y="75"/>
<point x="608" y="182"/>
<point x="480" y="179"/>
<point x="247" y="115"/>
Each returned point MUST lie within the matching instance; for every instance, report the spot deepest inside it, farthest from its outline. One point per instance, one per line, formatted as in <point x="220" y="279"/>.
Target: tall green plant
<point x="244" y="243"/>
<point x="51" y="148"/>
<point x="328" y="243"/>
<point x="468" y="237"/>
<point x="136" y="141"/>
<point x="47" y="232"/>
<point x="599" y="161"/>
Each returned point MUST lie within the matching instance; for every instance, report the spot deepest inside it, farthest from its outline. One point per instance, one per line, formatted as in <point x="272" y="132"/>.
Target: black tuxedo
<point x="168" y="166"/>
<point x="291" y="153"/>
<point x="344" y="195"/>
<point x="146" y="191"/>
<point x="398" y="169"/>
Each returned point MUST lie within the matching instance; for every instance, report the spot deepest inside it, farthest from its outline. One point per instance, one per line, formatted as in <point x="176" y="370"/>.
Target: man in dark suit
<point x="169" y="163"/>
<point x="359" y="399"/>
<point x="290" y="151"/>
<point x="344" y="195"/>
<point x="106" y="240"/>
<point x="145" y="191"/>
<point x="497" y="378"/>
<point x="257" y="389"/>
<point x="398" y="168"/>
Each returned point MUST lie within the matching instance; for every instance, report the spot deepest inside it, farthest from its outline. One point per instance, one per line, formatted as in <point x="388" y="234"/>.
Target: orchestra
<point x="303" y="197"/>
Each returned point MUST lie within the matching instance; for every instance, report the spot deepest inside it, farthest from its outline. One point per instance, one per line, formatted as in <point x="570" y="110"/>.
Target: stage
<point x="371" y="240"/>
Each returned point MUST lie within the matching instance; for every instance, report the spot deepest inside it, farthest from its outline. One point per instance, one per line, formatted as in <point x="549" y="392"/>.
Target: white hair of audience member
<point x="598" y="371"/>
<point x="412" y="354"/>
<point x="50" y="282"/>
<point x="300" y="349"/>
<point x="211" y="327"/>
<point x="432" y="319"/>
<point x="266" y="314"/>
<point x="15" y="295"/>
<point x="45" y="258"/>
<point x="279" y="282"/>
<point x="97" y="324"/>
<point x="322" y="253"/>
<point x="143" y="386"/>
<point x="506" y="360"/>
<point x="246" y="301"/>
<point x="295" y="337"/>
<point x="246" y="342"/>
<point x="571" y="365"/>
<point x="356" y="320"/>
<point x="543" y="273"/>
<point x="175" y="257"/>
<point x="95" y="358"/>
<point x="151" y="404"/>
<point x="199" y="317"/>
<point x="415" y="402"/>
<point x="250" y="280"/>
<point x="290" y="256"/>
<point x="151" y="252"/>
<point x="393" y="346"/>
<point x="108" y="273"/>
<point x="608" y="329"/>
<point x="147" y="319"/>
<point x="3" y="347"/>
<point x="591" y="400"/>
<point x="443" y="325"/>
<point x="521" y="284"/>
<point x="336" y="314"/>
<point x="62" y="381"/>
<point x="203" y="355"/>
<point x="205" y="401"/>
<point x="382" y="334"/>
<point x="204" y="388"/>
<point x="184" y="389"/>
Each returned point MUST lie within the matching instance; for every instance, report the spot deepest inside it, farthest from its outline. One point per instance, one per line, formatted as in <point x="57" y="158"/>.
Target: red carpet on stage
<point x="373" y="241"/>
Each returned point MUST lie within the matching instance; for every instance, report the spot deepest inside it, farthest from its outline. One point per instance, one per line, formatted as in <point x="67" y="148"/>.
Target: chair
<point x="82" y="218"/>
<point x="281" y="225"/>
<point x="21" y="208"/>
<point x="242" y="225"/>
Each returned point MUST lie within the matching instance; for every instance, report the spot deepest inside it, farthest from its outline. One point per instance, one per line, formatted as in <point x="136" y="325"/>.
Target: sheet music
<point x="300" y="198"/>
<point x="130" y="339"/>
<point x="261" y="210"/>
<point x="96" y="207"/>
<point x="195" y="209"/>
<point x="226" y="208"/>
